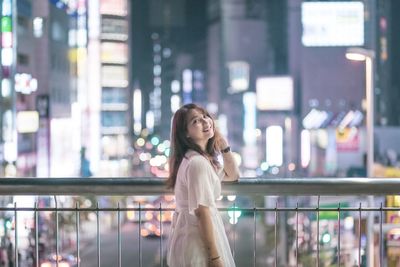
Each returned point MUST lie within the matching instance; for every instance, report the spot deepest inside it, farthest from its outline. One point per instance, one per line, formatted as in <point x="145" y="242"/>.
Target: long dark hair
<point x="180" y="143"/>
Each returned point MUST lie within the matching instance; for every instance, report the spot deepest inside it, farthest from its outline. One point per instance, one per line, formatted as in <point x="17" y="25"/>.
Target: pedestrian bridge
<point x="276" y="203"/>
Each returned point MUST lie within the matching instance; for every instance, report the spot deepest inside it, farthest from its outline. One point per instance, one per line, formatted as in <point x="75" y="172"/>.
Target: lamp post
<point x="361" y="54"/>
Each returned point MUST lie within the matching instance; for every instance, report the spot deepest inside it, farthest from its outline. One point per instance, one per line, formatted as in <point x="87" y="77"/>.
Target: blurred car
<point x="151" y="210"/>
<point x="65" y="260"/>
<point x="151" y="229"/>
<point x="154" y="218"/>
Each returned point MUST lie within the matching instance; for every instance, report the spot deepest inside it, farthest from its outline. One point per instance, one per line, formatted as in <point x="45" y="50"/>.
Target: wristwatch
<point x="226" y="150"/>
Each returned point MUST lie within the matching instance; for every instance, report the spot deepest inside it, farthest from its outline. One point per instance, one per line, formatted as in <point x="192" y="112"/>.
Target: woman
<point x="198" y="236"/>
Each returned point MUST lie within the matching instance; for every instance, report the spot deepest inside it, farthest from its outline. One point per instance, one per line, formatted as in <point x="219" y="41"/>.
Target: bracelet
<point x="226" y="150"/>
<point x="216" y="258"/>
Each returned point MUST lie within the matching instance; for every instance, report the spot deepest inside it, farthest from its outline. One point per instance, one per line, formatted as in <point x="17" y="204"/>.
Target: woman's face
<point x="200" y="127"/>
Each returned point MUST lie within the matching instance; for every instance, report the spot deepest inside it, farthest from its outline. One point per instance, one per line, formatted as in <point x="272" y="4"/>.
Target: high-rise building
<point x="246" y="43"/>
<point x="168" y="58"/>
<point x="110" y="91"/>
<point x="35" y="60"/>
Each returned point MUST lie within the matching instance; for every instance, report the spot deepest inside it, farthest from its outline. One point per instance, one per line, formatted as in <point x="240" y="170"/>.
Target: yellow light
<point x="148" y="215"/>
<point x="144" y="232"/>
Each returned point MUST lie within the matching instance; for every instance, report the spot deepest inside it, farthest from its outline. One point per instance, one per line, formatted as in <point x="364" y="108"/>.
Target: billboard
<point x="275" y="93"/>
<point x="332" y="23"/>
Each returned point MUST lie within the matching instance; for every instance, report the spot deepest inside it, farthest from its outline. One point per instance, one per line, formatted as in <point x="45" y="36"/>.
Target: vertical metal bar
<point x="318" y="248"/>
<point x="359" y="236"/>
<point x="381" y="237"/>
<point x="297" y="234"/>
<point x="77" y="215"/>
<point x="98" y="234"/>
<point x="57" y="241"/>
<point x="36" y="235"/>
<point x="140" y="235"/>
<point x="254" y="237"/>
<point x="276" y="233"/>
<point x="119" y="235"/>
<point x="161" y="252"/>
<point x="234" y="230"/>
<point x="338" y="245"/>
<point x="16" y="235"/>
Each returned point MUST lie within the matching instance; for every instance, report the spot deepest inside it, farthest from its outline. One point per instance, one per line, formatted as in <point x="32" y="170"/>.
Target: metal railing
<point x="245" y="186"/>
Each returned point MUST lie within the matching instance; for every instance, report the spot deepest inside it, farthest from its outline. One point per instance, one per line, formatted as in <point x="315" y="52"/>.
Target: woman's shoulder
<point x="194" y="158"/>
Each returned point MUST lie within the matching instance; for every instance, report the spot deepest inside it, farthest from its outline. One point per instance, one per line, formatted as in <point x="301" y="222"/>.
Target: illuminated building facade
<point x="41" y="40"/>
<point x="110" y="93"/>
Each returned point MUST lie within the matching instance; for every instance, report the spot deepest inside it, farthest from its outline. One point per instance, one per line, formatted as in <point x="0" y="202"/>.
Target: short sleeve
<point x="200" y="190"/>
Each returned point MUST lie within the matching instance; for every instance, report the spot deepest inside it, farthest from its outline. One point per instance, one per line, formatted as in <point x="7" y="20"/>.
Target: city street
<point x="151" y="247"/>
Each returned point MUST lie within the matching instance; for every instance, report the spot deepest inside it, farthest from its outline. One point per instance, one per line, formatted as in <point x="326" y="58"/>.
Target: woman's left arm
<point x="230" y="167"/>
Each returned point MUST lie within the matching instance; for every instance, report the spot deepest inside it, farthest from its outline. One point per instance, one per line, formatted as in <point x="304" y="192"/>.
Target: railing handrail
<point x="156" y="186"/>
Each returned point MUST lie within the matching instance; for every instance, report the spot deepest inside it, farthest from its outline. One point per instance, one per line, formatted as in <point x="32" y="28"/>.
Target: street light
<point x="361" y="54"/>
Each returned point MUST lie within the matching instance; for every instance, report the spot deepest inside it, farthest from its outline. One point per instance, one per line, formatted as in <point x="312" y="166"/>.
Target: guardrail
<point x="156" y="186"/>
<point x="245" y="186"/>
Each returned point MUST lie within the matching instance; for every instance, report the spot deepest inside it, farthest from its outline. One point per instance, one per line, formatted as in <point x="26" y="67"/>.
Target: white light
<point x="231" y="197"/>
<point x="6" y="8"/>
<point x="305" y="148"/>
<point x="249" y="131"/>
<point x="315" y="118"/>
<point x="355" y="56"/>
<point x="275" y="93"/>
<point x="348" y="118"/>
<point x="150" y="121"/>
<point x="10" y="151"/>
<point x="6" y="56"/>
<point x="82" y="38"/>
<point x="157" y="81"/>
<point x="137" y="127"/>
<point x="212" y="108"/>
<point x="223" y="124"/>
<point x="348" y="223"/>
<point x="25" y="84"/>
<point x="5" y="88"/>
<point x="274" y="145"/>
<point x="27" y="121"/>
<point x="264" y="166"/>
<point x="175" y="103"/>
<point x="38" y="27"/>
<point x="157" y="70"/>
<point x="6" y="39"/>
<point x="187" y="80"/>
<point x="332" y="23"/>
<point x="33" y="84"/>
<point x="233" y="220"/>
<point x="175" y="86"/>
<point x="137" y="110"/>
<point x="8" y="133"/>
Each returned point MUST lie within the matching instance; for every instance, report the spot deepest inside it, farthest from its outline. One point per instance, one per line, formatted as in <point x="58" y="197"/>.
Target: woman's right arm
<point x="207" y="233"/>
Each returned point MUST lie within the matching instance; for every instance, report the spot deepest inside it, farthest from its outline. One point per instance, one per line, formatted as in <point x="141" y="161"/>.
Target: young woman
<point x="198" y="236"/>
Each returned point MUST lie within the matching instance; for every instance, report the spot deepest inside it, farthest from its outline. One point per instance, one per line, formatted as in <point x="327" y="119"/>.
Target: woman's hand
<point x="220" y="141"/>
<point x="216" y="263"/>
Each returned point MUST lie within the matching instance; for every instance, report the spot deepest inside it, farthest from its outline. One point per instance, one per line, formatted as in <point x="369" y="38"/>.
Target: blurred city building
<point x="110" y="95"/>
<point x="88" y="88"/>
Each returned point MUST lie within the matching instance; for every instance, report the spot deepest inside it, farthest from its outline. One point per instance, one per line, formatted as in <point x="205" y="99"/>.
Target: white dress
<point x="197" y="183"/>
